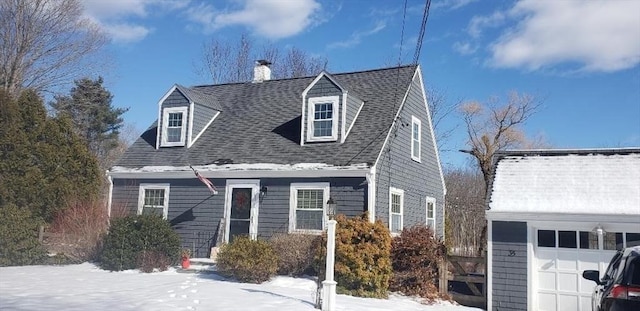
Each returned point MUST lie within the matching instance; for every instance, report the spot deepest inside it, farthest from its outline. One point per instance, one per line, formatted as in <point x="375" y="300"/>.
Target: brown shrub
<point x="150" y="260"/>
<point x="77" y="231"/>
<point x="247" y="260"/>
<point x="415" y="255"/>
<point x="362" y="262"/>
<point x="294" y="251"/>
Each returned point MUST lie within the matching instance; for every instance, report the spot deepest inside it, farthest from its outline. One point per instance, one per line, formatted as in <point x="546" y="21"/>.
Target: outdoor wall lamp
<point x="263" y="192"/>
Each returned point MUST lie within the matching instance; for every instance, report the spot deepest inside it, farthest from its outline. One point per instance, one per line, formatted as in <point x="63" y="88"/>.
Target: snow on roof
<point x="564" y="182"/>
<point x="240" y="167"/>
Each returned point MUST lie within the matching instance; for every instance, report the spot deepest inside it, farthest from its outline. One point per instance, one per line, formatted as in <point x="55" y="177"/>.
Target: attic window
<point x="416" y="138"/>
<point x="322" y="124"/>
<point x="174" y="127"/>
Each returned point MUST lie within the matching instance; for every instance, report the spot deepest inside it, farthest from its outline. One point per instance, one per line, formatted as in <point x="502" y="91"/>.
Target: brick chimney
<point x="261" y="72"/>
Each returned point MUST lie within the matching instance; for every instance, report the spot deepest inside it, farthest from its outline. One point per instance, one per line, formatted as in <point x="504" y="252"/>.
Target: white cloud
<point x="479" y="23"/>
<point x="599" y="36"/>
<point x="357" y="36"/>
<point x="125" y="33"/>
<point x="113" y="16"/>
<point x="464" y="48"/>
<point x="451" y="4"/>
<point x="274" y="19"/>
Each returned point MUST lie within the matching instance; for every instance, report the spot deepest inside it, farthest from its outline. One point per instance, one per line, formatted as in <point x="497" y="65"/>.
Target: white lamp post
<point x="329" y="285"/>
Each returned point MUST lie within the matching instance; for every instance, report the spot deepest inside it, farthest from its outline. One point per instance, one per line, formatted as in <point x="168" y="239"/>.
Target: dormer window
<point x="322" y="123"/>
<point x="174" y="126"/>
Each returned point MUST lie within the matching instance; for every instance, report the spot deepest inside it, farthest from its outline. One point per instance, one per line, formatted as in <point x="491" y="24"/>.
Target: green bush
<point x="294" y="251"/>
<point x="19" y="243"/>
<point x="363" y="257"/>
<point x="247" y="260"/>
<point x="415" y="254"/>
<point x="132" y="238"/>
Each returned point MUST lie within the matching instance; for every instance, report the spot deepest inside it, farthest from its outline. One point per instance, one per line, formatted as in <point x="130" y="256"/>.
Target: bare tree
<point x="45" y="43"/>
<point x="441" y="110"/>
<point x="495" y="126"/>
<point x="227" y="61"/>
<point x="464" y="211"/>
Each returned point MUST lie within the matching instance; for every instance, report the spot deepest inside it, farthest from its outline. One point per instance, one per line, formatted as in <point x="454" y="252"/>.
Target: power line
<point x="423" y="27"/>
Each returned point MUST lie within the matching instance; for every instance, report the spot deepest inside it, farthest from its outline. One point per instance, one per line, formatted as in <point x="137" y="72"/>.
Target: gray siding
<point x="201" y="116"/>
<point x="324" y="87"/>
<point x="353" y="106"/>
<point x="195" y="214"/>
<point x="509" y="265"/>
<point x="396" y="168"/>
<point x="175" y="99"/>
<point x="349" y="194"/>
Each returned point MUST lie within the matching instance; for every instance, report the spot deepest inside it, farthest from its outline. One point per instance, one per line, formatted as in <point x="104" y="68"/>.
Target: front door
<point x="241" y="208"/>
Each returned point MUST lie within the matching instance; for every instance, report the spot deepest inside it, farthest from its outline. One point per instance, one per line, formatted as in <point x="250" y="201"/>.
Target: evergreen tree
<point x="95" y="120"/>
<point x="44" y="163"/>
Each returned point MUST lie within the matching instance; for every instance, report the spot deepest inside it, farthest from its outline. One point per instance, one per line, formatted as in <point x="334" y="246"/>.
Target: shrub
<point x="294" y="251"/>
<point x="151" y="260"/>
<point x="19" y="243"/>
<point x="415" y="254"/>
<point x="247" y="260"/>
<point x="80" y="229"/>
<point x="132" y="240"/>
<point x="363" y="257"/>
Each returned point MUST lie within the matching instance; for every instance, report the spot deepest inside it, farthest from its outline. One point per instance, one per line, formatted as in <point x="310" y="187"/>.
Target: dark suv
<point x="619" y="288"/>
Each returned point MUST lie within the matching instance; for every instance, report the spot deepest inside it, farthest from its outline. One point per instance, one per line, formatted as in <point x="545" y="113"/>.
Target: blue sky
<point x="581" y="57"/>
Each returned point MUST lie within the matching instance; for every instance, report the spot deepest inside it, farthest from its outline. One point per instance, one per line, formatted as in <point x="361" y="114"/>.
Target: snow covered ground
<point x="86" y="287"/>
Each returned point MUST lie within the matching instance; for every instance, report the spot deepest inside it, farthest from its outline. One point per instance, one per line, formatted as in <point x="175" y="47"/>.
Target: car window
<point x="634" y="272"/>
<point x="613" y="267"/>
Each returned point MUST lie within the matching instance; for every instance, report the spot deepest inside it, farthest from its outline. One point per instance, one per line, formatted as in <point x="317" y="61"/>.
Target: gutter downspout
<point x="371" y="191"/>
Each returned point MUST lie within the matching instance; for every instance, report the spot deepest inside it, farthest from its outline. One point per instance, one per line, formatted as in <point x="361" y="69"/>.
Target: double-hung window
<point x="322" y="123"/>
<point x="431" y="213"/>
<point x="174" y="126"/>
<point x="396" y="209"/>
<point x="308" y="203"/>
<point x="416" y="138"/>
<point x="153" y="199"/>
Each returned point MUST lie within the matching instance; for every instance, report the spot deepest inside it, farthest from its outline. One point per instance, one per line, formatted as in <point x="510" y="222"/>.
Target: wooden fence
<point x="457" y="279"/>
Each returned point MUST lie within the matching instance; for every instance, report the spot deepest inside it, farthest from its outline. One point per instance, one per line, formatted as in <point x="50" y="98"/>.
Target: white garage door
<point x="561" y="256"/>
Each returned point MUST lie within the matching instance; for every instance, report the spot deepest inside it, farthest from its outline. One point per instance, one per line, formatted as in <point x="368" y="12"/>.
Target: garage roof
<point x="595" y="181"/>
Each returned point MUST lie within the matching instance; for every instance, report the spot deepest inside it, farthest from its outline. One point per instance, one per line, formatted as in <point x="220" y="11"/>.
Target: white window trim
<point x="293" y="203"/>
<point x="165" y="122"/>
<point x="334" y="119"/>
<point x="165" y="187"/>
<point x="254" y="184"/>
<point x="399" y="192"/>
<point x="435" y="224"/>
<point x="415" y="121"/>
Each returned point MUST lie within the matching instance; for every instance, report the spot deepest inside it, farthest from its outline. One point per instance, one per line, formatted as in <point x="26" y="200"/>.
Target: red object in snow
<point x="185" y="263"/>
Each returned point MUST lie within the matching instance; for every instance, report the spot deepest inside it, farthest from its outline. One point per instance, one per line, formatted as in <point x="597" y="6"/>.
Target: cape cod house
<point x="553" y="214"/>
<point x="265" y="156"/>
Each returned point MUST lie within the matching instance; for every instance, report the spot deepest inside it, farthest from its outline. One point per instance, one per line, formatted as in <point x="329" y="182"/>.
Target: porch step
<point x="199" y="265"/>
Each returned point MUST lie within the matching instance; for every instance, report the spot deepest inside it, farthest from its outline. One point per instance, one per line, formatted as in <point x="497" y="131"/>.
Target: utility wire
<point x="423" y="27"/>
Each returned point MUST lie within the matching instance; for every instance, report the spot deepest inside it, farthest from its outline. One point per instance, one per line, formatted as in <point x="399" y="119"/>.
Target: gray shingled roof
<point x="260" y="123"/>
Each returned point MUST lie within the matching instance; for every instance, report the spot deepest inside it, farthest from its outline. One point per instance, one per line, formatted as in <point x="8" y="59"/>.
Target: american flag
<point x="205" y="181"/>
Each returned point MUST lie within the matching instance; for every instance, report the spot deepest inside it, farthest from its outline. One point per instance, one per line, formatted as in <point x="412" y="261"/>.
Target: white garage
<point x="552" y="214"/>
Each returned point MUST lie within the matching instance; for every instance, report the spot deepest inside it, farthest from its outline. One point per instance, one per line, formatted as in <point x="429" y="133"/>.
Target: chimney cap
<point x="263" y="62"/>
